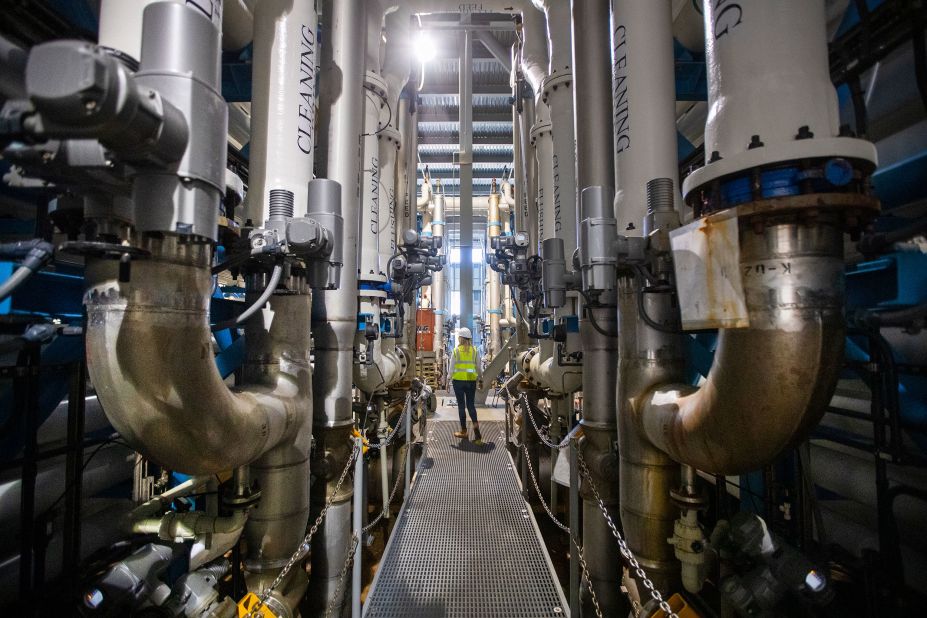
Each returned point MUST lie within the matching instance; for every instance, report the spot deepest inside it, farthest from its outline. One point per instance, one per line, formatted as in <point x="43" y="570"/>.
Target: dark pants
<point x="465" y="391"/>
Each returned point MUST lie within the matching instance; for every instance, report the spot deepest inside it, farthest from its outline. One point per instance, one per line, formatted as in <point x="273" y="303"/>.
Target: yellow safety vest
<point x="465" y="368"/>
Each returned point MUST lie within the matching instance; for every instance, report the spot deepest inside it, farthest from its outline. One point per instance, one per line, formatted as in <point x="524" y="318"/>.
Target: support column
<point x="466" y="175"/>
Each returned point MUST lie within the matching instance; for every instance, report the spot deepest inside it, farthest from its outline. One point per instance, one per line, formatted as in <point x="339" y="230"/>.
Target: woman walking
<point x="465" y="374"/>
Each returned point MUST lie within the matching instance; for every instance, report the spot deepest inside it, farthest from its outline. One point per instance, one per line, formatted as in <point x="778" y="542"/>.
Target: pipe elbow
<point x="754" y="405"/>
<point x="149" y="356"/>
<point x="770" y="383"/>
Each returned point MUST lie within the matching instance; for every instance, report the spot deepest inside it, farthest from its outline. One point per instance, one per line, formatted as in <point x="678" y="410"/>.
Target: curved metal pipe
<point x="149" y="355"/>
<point x="769" y="383"/>
<point x="647" y="475"/>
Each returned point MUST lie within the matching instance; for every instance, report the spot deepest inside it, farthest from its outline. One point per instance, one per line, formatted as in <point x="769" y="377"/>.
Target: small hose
<point x="258" y="304"/>
<point x="35" y="253"/>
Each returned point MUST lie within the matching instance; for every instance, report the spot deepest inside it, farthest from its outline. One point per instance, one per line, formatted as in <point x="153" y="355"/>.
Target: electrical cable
<point x="588" y="310"/>
<point x="641" y="307"/>
<point x="874" y="243"/>
<point x="384" y="127"/>
<point x="275" y="276"/>
<point x="18" y="277"/>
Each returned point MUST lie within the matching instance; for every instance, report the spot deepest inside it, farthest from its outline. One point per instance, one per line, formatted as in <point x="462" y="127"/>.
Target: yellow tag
<point x="356" y="433"/>
<point x="679" y="607"/>
<point x="249" y="602"/>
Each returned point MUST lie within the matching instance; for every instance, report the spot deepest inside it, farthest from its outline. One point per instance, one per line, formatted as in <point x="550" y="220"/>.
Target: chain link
<point x="304" y="546"/>
<point x="588" y="578"/>
<point x="392" y="496"/>
<point x="392" y="435"/>
<point x="537" y="488"/>
<point x="339" y="592"/>
<point x="622" y="544"/>
<point x="579" y="551"/>
<point x="527" y="407"/>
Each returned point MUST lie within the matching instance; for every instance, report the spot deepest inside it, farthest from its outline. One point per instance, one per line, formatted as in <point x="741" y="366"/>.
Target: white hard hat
<point x="465" y="333"/>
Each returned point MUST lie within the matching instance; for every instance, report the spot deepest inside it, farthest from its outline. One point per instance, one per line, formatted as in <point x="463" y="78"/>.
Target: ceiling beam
<point x="450" y="114"/>
<point x="486" y="157"/>
<point x="453" y="137"/>
<point x="446" y="88"/>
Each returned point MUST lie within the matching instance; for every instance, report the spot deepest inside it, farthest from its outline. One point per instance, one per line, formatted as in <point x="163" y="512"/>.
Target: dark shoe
<point x="477" y="437"/>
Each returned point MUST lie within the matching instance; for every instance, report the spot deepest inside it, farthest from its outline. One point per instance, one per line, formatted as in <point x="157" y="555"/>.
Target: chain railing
<point x="341" y="588"/>
<point x="342" y="576"/>
<point x="392" y="435"/>
<point x="304" y="546"/>
<point x="625" y="551"/>
<point x="559" y="524"/>
<point x="527" y="407"/>
<point x="537" y="488"/>
<point x="639" y="572"/>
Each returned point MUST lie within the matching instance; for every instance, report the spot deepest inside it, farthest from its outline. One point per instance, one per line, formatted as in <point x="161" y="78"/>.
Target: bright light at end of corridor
<point x="425" y="49"/>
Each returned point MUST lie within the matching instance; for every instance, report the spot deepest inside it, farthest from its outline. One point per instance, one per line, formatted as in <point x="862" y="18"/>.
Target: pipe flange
<point x="721" y="166"/>
<point x="391" y="135"/>
<point x="539" y="129"/>
<point x="689" y="501"/>
<point x="560" y="79"/>
<point x="236" y="502"/>
<point x="376" y="84"/>
<point x="848" y="211"/>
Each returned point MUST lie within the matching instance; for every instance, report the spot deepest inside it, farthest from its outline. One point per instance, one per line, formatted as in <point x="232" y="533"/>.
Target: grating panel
<point x="466" y="544"/>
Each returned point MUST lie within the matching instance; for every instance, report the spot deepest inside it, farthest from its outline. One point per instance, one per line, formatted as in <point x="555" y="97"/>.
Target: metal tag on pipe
<point x="706" y="255"/>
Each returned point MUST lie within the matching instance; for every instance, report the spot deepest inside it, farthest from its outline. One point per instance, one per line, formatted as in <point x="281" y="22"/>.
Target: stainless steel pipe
<point x="334" y="312"/>
<point x="769" y="383"/>
<point x="149" y="355"/>
<point x="600" y="372"/>
<point x="647" y="357"/>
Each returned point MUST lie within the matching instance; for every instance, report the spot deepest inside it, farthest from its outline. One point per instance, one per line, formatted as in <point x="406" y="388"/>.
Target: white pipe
<point x="644" y="109"/>
<point x="494" y="283"/>
<point x="398" y="59"/>
<point x="237" y="23"/>
<point x="534" y="50"/>
<point x="425" y="198"/>
<point x="388" y="143"/>
<point x="370" y="268"/>
<point x="282" y="107"/>
<point x="437" y="280"/>
<point x="544" y="149"/>
<point x="562" y="163"/>
<point x="754" y="122"/>
<point x="508" y="194"/>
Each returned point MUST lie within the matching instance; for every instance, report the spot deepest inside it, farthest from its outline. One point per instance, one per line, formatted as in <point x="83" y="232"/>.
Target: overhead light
<point x="424" y="46"/>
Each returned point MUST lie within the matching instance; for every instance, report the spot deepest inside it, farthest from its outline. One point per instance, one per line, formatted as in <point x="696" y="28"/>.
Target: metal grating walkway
<point x="466" y="545"/>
